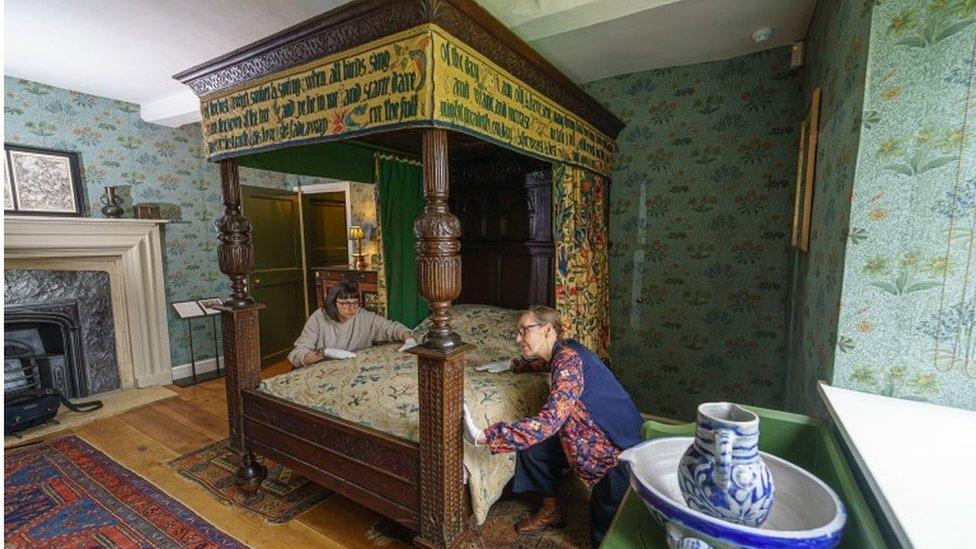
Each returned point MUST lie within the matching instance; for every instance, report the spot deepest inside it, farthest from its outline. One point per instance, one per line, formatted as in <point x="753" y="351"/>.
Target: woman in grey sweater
<point x="341" y="327"/>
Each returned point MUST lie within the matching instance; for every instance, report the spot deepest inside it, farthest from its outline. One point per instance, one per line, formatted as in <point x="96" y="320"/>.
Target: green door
<point x="326" y="243"/>
<point x="276" y="280"/>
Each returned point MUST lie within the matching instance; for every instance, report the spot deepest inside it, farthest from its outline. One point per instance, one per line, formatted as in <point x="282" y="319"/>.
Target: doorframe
<point x="319" y="188"/>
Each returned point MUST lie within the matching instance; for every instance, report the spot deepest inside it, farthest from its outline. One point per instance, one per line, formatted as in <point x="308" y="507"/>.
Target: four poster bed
<point x="443" y="81"/>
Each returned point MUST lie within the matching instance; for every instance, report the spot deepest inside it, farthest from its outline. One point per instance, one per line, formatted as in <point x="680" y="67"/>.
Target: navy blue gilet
<point x="606" y="400"/>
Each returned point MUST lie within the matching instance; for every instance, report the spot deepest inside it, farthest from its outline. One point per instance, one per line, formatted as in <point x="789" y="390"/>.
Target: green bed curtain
<point x="401" y="186"/>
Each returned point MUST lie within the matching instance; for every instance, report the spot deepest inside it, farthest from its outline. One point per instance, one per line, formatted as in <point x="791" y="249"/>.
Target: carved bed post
<point x="440" y="359"/>
<point x="239" y="321"/>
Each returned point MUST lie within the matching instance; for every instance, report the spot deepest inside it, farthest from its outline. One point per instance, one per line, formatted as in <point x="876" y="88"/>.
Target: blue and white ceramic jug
<point x="721" y="474"/>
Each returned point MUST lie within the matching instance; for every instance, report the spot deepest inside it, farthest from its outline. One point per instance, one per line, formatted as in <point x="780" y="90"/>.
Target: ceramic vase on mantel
<point x="722" y="474"/>
<point x="112" y="204"/>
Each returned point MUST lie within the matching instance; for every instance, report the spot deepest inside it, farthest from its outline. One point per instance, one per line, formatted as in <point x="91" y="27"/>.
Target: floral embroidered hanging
<point x="580" y="234"/>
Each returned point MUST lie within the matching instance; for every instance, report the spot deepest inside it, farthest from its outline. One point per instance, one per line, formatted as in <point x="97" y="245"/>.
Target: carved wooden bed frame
<point x="416" y="484"/>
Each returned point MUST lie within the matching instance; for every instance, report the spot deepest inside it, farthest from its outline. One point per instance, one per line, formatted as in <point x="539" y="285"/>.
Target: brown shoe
<point x="547" y="515"/>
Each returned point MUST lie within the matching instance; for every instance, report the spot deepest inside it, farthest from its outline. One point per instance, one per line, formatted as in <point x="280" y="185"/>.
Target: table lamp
<point x="356" y="233"/>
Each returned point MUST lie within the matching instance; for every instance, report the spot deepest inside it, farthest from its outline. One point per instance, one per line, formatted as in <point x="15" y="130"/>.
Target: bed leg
<point x="443" y="517"/>
<point x="250" y="474"/>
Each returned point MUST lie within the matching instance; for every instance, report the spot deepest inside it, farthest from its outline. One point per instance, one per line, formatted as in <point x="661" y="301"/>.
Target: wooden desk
<point x="366" y="282"/>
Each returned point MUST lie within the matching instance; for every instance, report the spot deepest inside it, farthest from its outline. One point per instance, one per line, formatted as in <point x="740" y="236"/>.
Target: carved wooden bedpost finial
<point x="440" y="360"/>
<point x="438" y="246"/>
<point x="239" y="322"/>
<point x="235" y="254"/>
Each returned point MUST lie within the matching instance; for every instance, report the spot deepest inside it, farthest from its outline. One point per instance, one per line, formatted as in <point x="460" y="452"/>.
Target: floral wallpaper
<point x="700" y="209"/>
<point x="150" y="163"/>
<point x="836" y="59"/>
<point x="907" y="325"/>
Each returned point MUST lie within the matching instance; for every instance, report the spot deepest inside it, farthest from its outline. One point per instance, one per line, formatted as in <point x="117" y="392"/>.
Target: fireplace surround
<point x="130" y="251"/>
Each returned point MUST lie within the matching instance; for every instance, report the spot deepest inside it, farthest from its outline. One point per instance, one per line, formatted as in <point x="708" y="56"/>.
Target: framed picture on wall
<point x="42" y="182"/>
<point x="805" y="170"/>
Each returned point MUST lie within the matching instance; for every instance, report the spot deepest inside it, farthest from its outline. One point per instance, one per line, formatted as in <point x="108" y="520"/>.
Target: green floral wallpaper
<point x="700" y="210"/>
<point x="836" y="59"/>
<point x="907" y="325"/>
<point x="154" y="164"/>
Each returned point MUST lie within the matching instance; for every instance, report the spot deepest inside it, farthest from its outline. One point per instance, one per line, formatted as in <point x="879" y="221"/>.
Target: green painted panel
<point x="326" y="242"/>
<point x="276" y="280"/>
<point x="274" y="227"/>
<point x="283" y="316"/>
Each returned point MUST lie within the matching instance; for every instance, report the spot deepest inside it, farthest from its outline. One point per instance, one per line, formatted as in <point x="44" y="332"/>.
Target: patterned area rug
<point x="65" y="493"/>
<point x="283" y="494"/>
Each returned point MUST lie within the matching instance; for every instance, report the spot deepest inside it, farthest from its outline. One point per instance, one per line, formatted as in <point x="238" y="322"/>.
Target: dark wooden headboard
<point x="504" y="204"/>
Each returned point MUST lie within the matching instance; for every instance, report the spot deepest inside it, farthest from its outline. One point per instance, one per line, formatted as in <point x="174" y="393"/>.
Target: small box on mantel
<point x="147" y="211"/>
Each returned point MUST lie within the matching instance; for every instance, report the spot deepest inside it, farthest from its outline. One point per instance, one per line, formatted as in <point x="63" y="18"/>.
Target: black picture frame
<point x="17" y="187"/>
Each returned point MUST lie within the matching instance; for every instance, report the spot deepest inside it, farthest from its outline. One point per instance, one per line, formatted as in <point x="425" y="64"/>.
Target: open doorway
<point x="326" y="221"/>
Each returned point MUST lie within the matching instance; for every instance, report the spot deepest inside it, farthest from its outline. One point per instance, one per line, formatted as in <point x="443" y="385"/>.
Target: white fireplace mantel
<point x="130" y="250"/>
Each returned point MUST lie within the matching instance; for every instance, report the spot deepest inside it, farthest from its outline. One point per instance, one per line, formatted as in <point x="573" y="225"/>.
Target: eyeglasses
<point x="522" y="330"/>
<point x="348" y="302"/>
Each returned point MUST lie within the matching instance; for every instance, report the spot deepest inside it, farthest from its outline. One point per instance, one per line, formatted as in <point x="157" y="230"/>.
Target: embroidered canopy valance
<point x="422" y="76"/>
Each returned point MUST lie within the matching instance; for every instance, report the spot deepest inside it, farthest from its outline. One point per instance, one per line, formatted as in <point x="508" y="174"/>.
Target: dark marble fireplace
<point x="59" y="332"/>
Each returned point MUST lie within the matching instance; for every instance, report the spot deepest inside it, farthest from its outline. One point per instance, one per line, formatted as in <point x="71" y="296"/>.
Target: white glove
<point x="410" y="343"/>
<point x="495" y="367"/>
<point x="471" y="432"/>
<point x="338" y="353"/>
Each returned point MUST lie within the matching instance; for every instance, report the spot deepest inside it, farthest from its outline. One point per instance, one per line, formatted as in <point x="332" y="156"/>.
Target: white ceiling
<point x="129" y="49"/>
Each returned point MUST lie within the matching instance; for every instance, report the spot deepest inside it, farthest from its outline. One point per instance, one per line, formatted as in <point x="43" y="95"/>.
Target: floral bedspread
<point x="378" y="389"/>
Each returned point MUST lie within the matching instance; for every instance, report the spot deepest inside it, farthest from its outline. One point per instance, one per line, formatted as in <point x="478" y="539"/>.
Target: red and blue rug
<point x="65" y="493"/>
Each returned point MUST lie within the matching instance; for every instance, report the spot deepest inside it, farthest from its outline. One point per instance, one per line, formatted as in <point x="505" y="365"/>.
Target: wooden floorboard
<point x="214" y="406"/>
<point x="349" y="522"/>
<point x="175" y="436"/>
<point x="194" y="417"/>
<point x="146" y="439"/>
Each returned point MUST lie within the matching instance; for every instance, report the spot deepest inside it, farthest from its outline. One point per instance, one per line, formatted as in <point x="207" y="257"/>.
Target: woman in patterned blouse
<point x="586" y="422"/>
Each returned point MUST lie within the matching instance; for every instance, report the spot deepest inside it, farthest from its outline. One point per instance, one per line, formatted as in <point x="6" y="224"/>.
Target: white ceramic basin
<point x="806" y="512"/>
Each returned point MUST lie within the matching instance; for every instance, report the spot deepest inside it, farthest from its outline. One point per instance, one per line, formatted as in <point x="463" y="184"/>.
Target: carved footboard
<point x="373" y="468"/>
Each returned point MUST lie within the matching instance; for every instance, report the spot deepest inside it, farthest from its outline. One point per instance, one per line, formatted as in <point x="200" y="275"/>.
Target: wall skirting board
<point x="203" y="366"/>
